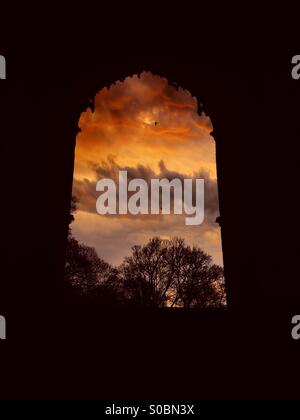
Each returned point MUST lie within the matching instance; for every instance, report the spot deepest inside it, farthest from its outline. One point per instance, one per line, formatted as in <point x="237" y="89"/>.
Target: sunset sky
<point x="151" y="129"/>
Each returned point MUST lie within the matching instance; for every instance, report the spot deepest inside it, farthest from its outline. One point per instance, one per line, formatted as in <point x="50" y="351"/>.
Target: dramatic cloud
<point x="144" y="120"/>
<point x="152" y="130"/>
<point x="85" y="190"/>
<point x="113" y="238"/>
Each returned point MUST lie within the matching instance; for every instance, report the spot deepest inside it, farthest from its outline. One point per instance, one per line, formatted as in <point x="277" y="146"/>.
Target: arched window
<point x="145" y="205"/>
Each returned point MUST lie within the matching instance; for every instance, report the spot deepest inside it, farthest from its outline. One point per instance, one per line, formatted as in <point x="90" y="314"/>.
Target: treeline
<point x="159" y="274"/>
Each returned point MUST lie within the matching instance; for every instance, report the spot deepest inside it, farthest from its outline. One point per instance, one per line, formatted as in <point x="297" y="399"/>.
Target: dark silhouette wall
<point x="253" y="107"/>
<point x="241" y="106"/>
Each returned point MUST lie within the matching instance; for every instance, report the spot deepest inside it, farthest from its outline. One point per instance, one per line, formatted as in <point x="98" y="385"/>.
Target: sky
<point x="151" y="129"/>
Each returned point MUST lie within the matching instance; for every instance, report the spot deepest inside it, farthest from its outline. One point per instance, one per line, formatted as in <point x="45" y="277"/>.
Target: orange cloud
<point x="137" y="123"/>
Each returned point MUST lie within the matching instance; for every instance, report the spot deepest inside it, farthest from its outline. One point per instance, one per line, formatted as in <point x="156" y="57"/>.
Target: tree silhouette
<point x="84" y="269"/>
<point x="170" y="273"/>
<point x="158" y="274"/>
<point x="196" y="281"/>
<point x="88" y="278"/>
<point x="146" y="274"/>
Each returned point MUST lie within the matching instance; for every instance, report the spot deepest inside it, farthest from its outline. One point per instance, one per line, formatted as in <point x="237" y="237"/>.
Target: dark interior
<point x="252" y="109"/>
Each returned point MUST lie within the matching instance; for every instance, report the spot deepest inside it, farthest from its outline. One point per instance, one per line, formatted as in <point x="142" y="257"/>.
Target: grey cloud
<point x="85" y="190"/>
